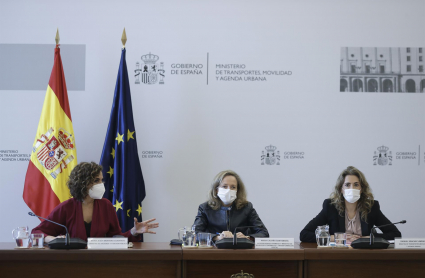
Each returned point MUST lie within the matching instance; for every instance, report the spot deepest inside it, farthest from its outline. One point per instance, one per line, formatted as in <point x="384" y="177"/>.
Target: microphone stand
<point x="372" y="236"/>
<point x="67" y="238"/>
<point x="232" y="243"/>
<point x="374" y="242"/>
<point x="373" y="231"/>
<point x="235" y="238"/>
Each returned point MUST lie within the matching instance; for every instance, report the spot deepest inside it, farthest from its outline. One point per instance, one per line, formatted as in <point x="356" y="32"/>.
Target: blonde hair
<point x="364" y="204"/>
<point x="214" y="201"/>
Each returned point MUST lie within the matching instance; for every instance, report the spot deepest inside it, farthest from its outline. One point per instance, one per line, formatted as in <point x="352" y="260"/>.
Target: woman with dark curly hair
<point x="351" y="209"/>
<point x="87" y="214"/>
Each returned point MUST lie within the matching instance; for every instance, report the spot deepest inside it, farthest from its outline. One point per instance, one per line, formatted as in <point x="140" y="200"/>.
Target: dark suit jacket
<point x="227" y="219"/>
<point x="329" y="215"/>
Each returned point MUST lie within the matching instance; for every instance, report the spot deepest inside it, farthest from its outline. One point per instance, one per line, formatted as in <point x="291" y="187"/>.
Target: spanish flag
<point x="54" y="154"/>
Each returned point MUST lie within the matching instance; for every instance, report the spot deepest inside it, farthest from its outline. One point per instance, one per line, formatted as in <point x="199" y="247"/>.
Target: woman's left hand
<point x="241" y="235"/>
<point x="144" y="227"/>
<point x="352" y="237"/>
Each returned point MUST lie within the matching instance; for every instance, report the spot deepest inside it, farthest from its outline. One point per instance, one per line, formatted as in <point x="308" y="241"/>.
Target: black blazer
<point x="329" y="215"/>
<point x="227" y="219"/>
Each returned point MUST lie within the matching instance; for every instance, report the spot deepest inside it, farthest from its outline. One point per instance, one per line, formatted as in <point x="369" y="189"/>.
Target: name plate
<point x="107" y="243"/>
<point x="274" y="243"/>
<point x="409" y="243"/>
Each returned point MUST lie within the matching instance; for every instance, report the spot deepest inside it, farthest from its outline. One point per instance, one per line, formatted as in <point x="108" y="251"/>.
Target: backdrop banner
<point x="285" y="93"/>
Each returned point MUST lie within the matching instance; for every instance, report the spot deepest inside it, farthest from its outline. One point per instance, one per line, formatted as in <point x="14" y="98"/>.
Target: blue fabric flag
<point x="122" y="174"/>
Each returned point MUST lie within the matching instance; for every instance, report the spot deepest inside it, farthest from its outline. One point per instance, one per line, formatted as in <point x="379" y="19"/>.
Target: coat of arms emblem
<point x="149" y="72"/>
<point x="271" y="156"/>
<point x="383" y="156"/>
<point x="242" y="275"/>
<point x="53" y="150"/>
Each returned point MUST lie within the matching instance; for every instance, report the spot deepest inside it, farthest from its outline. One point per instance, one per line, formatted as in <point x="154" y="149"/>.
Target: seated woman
<point x="87" y="214"/>
<point x="228" y="208"/>
<point x="351" y="209"/>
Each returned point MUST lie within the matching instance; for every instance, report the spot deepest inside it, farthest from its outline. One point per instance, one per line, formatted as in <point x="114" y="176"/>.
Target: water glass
<point x="22" y="237"/>
<point x="322" y="235"/>
<point x="23" y="242"/>
<point x="340" y="239"/>
<point x="323" y="240"/>
<point x="37" y="240"/>
<point x="204" y="239"/>
<point x="188" y="237"/>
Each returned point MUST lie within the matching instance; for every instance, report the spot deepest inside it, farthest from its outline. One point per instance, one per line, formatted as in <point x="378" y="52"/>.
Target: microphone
<point x="60" y="243"/>
<point x="235" y="238"/>
<point x="67" y="239"/>
<point x="374" y="243"/>
<point x="373" y="231"/>
<point x="232" y="243"/>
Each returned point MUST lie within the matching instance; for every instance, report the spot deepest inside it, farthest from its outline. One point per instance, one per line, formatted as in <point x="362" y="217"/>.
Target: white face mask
<point x="97" y="191"/>
<point x="352" y="195"/>
<point x="227" y="196"/>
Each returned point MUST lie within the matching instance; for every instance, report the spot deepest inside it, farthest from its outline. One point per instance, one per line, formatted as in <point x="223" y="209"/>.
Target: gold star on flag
<point x="129" y="135"/>
<point x="118" y="205"/>
<point x="112" y="190"/>
<point x="139" y="210"/>
<point x="113" y="153"/>
<point x="119" y="138"/>
<point x="128" y="212"/>
<point x="111" y="171"/>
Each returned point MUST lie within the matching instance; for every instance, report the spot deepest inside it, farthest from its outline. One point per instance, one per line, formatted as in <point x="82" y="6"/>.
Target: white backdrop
<point x="203" y="128"/>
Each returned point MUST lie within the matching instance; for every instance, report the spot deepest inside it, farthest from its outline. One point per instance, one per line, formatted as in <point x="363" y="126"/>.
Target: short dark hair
<point x="81" y="177"/>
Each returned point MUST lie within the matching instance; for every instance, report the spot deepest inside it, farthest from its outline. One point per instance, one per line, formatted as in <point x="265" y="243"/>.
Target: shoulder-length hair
<point x="81" y="177"/>
<point x="364" y="204"/>
<point x="214" y="201"/>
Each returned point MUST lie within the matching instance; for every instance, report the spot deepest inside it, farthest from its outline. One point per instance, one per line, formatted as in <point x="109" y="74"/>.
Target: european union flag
<point x="123" y="179"/>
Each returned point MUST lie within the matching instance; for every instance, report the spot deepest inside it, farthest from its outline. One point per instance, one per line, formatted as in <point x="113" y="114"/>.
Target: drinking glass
<point x="340" y="239"/>
<point x="37" y="240"/>
<point x="322" y="235"/>
<point x="204" y="239"/>
<point x="22" y="237"/>
<point x="188" y="236"/>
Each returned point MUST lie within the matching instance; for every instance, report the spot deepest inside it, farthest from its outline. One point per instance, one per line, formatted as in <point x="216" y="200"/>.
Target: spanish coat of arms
<point x="52" y="150"/>
<point x="271" y="156"/>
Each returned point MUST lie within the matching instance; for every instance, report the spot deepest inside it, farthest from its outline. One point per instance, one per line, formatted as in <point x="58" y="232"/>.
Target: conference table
<point x="287" y="263"/>
<point x="143" y="260"/>
<point x="153" y="259"/>
<point x="335" y="262"/>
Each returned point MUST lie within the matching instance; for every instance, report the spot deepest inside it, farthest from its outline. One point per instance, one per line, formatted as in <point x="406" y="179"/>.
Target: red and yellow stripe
<point x="43" y="192"/>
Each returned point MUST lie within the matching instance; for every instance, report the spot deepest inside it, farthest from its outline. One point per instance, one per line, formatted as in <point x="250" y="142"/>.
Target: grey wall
<point x="25" y="66"/>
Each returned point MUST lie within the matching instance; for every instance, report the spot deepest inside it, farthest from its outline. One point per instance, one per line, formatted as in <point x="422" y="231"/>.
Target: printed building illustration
<point x="382" y="69"/>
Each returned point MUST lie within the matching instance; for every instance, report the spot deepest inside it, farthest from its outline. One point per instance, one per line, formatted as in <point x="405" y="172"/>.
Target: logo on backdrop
<point x="149" y="72"/>
<point x="270" y="156"/>
<point x="14" y="155"/>
<point x="52" y="150"/>
<point x="383" y="156"/>
<point x="152" y="154"/>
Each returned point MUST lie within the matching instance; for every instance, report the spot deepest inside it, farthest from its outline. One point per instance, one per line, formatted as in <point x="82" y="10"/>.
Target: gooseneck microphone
<point x="235" y="238"/>
<point x="373" y="231"/>
<point x="232" y="243"/>
<point x="67" y="239"/>
<point x="373" y="242"/>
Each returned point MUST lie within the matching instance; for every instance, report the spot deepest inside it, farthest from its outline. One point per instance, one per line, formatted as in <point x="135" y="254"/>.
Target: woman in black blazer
<point x="350" y="209"/>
